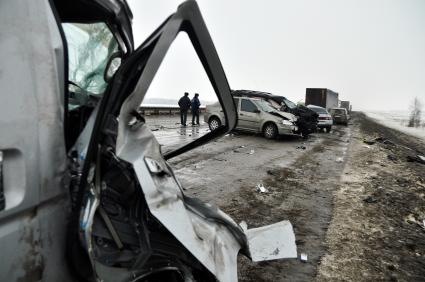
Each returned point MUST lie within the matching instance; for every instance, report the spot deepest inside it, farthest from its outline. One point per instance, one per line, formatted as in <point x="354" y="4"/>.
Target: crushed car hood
<point x="284" y="115"/>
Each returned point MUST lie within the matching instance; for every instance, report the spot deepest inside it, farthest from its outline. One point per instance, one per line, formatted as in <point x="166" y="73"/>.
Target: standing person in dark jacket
<point x="195" y="109"/>
<point x="184" y="104"/>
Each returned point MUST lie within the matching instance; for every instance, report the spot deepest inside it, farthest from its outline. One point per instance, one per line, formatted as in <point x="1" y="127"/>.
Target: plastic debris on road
<point x="303" y="257"/>
<point x="339" y="160"/>
<point x="251" y="152"/>
<point x="261" y="189"/>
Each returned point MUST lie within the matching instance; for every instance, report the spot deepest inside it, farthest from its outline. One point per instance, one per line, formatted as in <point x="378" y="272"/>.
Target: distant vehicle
<point x="340" y="115"/>
<point x="254" y="115"/>
<point x="321" y="97"/>
<point x="306" y="118"/>
<point x="324" y="120"/>
<point x="346" y="105"/>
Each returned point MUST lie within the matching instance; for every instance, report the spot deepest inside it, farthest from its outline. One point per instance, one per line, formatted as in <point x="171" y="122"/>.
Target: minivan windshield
<point x="89" y="48"/>
<point x="264" y="106"/>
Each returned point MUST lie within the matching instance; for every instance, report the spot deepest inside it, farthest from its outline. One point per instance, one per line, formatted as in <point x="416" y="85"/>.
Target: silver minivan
<point x="254" y="115"/>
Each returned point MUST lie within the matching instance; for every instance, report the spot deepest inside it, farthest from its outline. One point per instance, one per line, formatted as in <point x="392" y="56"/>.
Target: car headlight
<point x="287" y="122"/>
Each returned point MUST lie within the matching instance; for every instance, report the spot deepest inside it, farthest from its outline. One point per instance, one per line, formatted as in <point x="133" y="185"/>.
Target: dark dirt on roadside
<point x="377" y="232"/>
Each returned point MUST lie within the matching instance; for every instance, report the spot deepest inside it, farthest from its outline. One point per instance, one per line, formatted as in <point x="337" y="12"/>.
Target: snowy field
<point x="397" y="120"/>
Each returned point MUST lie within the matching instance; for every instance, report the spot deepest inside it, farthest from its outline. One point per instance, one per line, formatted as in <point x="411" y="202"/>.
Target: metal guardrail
<point x="163" y="109"/>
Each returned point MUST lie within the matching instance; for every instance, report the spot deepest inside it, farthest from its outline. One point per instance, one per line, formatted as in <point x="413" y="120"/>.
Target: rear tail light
<point x="325" y="118"/>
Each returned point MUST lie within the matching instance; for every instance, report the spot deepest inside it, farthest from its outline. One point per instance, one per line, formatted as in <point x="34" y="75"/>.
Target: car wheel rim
<point x="214" y="124"/>
<point x="269" y="131"/>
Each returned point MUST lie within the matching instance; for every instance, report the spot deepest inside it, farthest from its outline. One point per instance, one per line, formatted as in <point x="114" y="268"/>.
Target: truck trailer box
<point x="321" y="97"/>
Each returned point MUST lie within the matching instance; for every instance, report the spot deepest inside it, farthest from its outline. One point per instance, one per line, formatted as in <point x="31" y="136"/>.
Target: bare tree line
<point x="415" y="113"/>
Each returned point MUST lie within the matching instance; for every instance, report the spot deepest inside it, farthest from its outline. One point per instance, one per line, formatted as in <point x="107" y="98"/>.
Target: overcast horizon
<point x="371" y="52"/>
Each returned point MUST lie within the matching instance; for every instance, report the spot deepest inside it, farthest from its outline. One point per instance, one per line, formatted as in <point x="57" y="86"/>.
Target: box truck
<point x="321" y="97"/>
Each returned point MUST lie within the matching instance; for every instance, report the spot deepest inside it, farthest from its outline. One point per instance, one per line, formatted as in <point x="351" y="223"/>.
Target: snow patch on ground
<point x="397" y="120"/>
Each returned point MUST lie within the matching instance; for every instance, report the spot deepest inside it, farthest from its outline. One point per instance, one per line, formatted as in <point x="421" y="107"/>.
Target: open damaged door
<point x="132" y="217"/>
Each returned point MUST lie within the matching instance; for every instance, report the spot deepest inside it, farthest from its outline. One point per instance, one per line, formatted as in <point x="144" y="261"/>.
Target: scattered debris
<point x="251" y="152"/>
<point x="271" y="172"/>
<point x="366" y="146"/>
<point x="242" y="146"/>
<point x="155" y="129"/>
<point x="261" y="189"/>
<point x="339" y="160"/>
<point x="417" y="158"/>
<point x="369" y="142"/>
<point x="370" y="200"/>
<point x="302" y="147"/>
<point x="303" y="257"/>
<point x="392" y="158"/>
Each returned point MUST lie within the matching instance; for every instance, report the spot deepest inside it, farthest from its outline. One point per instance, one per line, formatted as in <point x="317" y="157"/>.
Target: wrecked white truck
<point x="87" y="194"/>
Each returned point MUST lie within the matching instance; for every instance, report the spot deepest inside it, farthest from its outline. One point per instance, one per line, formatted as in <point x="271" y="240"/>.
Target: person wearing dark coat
<point x="195" y="109"/>
<point x="184" y="104"/>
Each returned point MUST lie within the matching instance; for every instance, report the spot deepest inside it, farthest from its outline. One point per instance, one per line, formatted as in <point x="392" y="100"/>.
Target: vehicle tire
<point x="214" y="123"/>
<point x="270" y="130"/>
<point x="328" y="129"/>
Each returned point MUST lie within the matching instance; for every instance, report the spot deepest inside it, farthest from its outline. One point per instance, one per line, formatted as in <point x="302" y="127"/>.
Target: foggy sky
<point x="371" y="52"/>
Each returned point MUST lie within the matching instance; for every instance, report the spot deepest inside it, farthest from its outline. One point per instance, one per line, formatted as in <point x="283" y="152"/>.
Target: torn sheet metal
<point x="275" y="241"/>
<point x="210" y="242"/>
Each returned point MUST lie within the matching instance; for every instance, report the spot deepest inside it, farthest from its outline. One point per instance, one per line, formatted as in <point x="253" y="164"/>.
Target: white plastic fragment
<point x="243" y="225"/>
<point x="251" y="152"/>
<point x="275" y="241"/>
<point x="303" y="257"/>
<point x="261" y="189"/>
<point x="339" y="160"/>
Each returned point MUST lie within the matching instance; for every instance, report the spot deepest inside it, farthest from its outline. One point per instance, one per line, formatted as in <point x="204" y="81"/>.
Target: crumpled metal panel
<point x="211" y="243"/>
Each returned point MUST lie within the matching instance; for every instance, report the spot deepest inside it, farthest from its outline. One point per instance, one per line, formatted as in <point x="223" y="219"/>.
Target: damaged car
<point x="87" y="194"/>
<point x="254" y="115"/>
<point x="306" y="118"/>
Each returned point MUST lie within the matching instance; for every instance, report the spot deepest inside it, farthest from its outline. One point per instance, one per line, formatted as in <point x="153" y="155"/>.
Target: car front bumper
<point x="325" y="123"/>
<point x="287" y="129"/>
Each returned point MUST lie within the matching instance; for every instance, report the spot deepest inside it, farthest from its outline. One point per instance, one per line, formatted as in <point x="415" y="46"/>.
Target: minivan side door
<point x="249" y="118"/>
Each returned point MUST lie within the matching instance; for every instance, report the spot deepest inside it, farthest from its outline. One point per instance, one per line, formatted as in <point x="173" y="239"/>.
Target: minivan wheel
<point x="214" y="123"/>
<point x="270" y="131"/>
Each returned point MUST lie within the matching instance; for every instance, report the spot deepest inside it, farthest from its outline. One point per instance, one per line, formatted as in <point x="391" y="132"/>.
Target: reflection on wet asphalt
<point x="171" y="135"/>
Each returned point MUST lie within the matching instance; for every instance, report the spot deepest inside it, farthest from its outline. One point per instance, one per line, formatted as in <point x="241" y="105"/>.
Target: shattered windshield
<point x="265" y="106"/>
<point x="289" y="103"/>
<point x="89" y="48"/>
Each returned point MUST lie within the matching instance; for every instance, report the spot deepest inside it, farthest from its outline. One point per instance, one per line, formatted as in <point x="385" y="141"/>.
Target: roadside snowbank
<point x="397" y="120"/>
